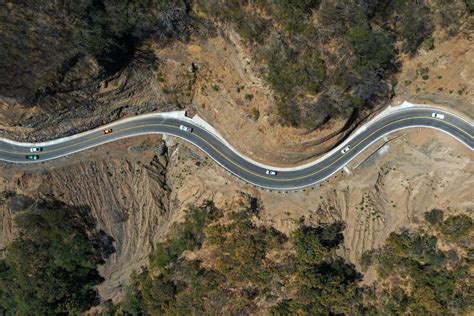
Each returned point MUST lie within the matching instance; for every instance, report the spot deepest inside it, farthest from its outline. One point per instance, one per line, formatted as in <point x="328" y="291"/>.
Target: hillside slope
<point x="135" y="195"/>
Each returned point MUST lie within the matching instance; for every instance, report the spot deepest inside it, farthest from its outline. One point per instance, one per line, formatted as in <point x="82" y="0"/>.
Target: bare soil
<point x="227" y="91"/>
<point x="444" y="75"/>
<point x="136" y="195"/>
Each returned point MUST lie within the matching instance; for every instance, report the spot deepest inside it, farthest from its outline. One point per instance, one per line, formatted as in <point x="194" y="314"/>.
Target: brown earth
<point x="214" y="77"/>
<point x="135" y="195"/>
<point x="129" y="199"/>
<point x="229" y="93"/>
<point x="128" y="93"/>
<point x="217" y="78"/>
<point x="444" y="75"/>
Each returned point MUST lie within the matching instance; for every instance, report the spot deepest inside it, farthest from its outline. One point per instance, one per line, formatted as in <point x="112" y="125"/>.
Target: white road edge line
<point x="247" y="181"/>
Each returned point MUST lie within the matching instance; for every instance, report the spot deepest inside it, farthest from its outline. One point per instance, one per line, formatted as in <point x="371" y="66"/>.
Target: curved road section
<point x="239" y="165"/>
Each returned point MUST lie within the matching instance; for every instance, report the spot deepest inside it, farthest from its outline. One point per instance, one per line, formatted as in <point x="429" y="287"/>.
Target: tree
<point x="415" y="24"/>
<point x="458" y="229"/>
<point x="373" y="49"/>
<point x="434" y="216"/>
<point x="412" y="260"/>
<point x="182" y="286"/>
<point x="324" y="283"/>
<point x="36" y="56"/>
<point x="51" y="268"/>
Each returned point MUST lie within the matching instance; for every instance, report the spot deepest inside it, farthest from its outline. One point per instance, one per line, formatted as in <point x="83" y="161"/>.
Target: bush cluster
<point x="44" y="40"/>
<point x="329" y="58"/>
<point x="51" y="268"/>
<point x="253" y="269"/>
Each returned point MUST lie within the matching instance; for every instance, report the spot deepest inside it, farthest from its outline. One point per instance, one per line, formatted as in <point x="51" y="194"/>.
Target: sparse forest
<point x="331" y="58"/>
<point x="417" y="277"/>
<point x="217" y="264"/>
<point x="51" y="266"/>
<point x="322" y="58"/>
<point x="224" y="263"/>
<point x="44" y="42"/>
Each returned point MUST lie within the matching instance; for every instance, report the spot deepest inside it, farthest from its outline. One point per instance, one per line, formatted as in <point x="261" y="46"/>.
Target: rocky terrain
<point x="213" y="77"/>
<point x="139" y="190"/>
<point x="136" y="188"/>
<point x="209" y="63"/>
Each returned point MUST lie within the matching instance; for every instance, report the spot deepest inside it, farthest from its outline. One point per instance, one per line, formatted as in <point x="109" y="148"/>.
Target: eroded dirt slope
<point x="136" y="190"/>
<point x="128" y="199"/>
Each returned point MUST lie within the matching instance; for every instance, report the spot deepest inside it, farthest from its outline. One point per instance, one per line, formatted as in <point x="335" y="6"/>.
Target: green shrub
<point x="51" y="268"/>
<point x="248" y="266"/>
<point x="373" y="49"/>
<point x="255" y="114"/>
<point x="434" y="216"/>
<point x="253" y="28"/>
<point x="458" y="229"/>
<point x="294" y="13"/>
<point x="38" y="55"/>
<point x="184" y="236"/>
<point x="181" y="286"/>
<point x="288" y="72"/>
<point x="314" y="243"/>
<point x="413" y="258"/>
<point x="248" y="97"/>
<point x="470" y="6"/>
<point x="325" y="284"/>
<point x="415" y="24"/>
<point x="429" y="43"/>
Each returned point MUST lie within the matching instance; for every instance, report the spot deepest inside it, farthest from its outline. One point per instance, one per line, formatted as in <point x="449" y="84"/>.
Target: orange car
<point x="107" y="131"/>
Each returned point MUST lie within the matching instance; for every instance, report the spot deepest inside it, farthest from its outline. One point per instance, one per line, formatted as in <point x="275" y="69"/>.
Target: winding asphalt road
<point x="239" y="165"/>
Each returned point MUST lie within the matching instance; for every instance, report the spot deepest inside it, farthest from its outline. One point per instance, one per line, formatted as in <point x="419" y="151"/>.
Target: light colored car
<point x="32" y="157"/>
<point x="36" y="149"/>
<point x="185" y="128"/>
<point x="345" y="149"/>
<point x="438" y="116"/>
<point x="107" y="131"/>
<point x="271" y="172"/>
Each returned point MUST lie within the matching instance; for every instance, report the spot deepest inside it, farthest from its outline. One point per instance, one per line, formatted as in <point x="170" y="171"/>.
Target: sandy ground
<point x="392" y="188"/>
<point x="122" y="184"/>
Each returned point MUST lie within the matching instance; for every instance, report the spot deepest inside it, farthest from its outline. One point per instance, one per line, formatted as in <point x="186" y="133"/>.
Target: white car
<point x="271" y="172"/>
<point x="185" y="128"/>
<point x="36" y="149"/>
<point x="345" y="149"/>
<point x="438" y="116"/>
